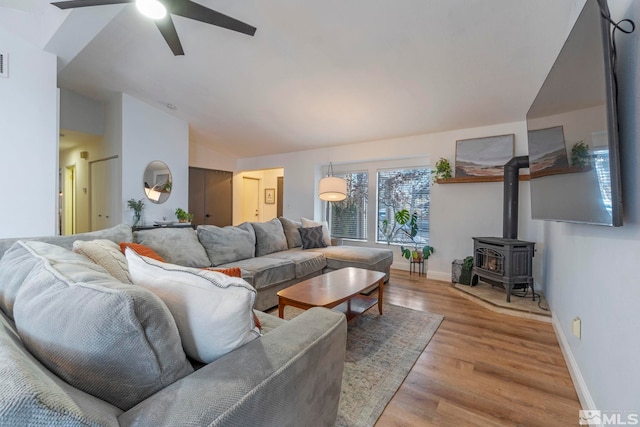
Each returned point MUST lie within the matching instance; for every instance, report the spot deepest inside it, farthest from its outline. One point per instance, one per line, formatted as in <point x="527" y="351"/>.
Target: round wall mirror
<point x="157" y="182"/>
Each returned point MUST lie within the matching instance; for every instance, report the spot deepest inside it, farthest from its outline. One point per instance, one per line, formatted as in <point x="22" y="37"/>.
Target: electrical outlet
<point x="576" y="326"/>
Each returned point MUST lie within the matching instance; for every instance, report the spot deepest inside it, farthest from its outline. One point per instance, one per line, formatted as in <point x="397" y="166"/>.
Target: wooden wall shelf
<point x="467" y="179"/>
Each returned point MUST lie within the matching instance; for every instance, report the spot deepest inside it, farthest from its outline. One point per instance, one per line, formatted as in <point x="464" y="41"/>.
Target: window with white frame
<point x="406" y="188"/>
<point x="348" y="218"/>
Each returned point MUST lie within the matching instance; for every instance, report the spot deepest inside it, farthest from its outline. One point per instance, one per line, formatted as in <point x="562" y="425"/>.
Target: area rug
<point x="381" y="350"/>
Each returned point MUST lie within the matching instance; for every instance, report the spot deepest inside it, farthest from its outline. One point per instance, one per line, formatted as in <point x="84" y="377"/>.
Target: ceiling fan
<point x="161" y="11"/>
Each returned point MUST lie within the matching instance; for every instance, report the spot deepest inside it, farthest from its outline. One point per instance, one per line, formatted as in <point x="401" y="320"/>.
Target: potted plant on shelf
<point x="136" y="206"/>
<point x="580" y="155"/>
<point x="183" y="216"/>
<point x="443" y="170"/>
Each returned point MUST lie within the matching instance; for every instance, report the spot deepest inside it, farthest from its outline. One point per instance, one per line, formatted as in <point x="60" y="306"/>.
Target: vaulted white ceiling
<point x="328" y="72"/>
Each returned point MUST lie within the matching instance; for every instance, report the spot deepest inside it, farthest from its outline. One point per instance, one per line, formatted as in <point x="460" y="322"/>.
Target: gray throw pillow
<point x="270" y="237"/>
<point x="115" y="341"/>
<point x="175" y="245"/>
<point x="312" y="237"/>
<point x="228" y="244"/>
<point x="291" y="231"/>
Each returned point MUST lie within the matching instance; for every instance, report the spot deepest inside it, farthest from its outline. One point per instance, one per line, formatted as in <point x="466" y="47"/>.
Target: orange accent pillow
<point x="141" y="250"/>
<point x="236" y="272"/>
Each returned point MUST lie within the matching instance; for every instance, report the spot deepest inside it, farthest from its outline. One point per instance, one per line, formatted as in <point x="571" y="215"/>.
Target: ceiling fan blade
<point x="83" y="3"/>
<point x="195" y="11"/>
<point x="168" y="31"/>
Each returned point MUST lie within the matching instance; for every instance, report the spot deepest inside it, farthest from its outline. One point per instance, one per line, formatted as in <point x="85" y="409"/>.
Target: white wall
<point x="458" y="211"/>
<point x="80" y="113"/>
<point x="29" y="140"/>
<point x="590" y="271"/>
<point x="202" y="156"/>
<point x="150" y="134"/>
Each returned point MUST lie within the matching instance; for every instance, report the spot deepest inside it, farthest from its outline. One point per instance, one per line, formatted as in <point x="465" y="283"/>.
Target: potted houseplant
<point x="183" y="216"/>
<point x="580" y="155"/>
<point x="443" y="170"/>
<point x="136" y="206"/>
<point x="408" y="224"/>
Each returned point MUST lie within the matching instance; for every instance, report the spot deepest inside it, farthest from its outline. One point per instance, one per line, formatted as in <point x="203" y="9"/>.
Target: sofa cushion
<point x="228" y="244"/>
<point x="32" y="395"/>
<point x="106" y="254"/>
<point x="353" y="256"/>
<point x="306" y="262"/>
<point x="312" y="237"/>
<point x="270" y="237"/>
<point x="115" y="341"/>
<point x="119" y="233"/>
<point x="176" y="245"/>
<point x="213" y="311"/>
<point x="325" y="229"/>
<point x="264" y="271"/>
<point x="291" y="231"/>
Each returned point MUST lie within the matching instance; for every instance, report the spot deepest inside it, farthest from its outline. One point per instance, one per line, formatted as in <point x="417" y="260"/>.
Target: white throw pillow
<point x="213" y="312"/>
<point x="325" y="229"/>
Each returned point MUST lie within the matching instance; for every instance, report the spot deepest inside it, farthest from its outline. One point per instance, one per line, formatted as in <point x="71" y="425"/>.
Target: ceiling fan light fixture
<point x="151" y="8"/>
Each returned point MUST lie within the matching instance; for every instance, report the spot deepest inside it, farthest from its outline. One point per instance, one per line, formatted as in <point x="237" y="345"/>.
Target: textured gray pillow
<point x="270" y="237"/>
<point x="176" y="245"/>
<point x="115" y="341"/>
<point x="291" y="230"/>
<point x="228" y="244"/>
<point x="312" y="237"/>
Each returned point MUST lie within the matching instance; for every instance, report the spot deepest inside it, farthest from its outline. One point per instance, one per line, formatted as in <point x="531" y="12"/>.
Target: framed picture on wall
<point x="269" y="196"/>
<point x="483" y="156"/>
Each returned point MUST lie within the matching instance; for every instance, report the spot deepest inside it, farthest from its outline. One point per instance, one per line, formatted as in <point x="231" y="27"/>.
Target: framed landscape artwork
<point x="547" y="150"/>
<point x="483" y="156"/>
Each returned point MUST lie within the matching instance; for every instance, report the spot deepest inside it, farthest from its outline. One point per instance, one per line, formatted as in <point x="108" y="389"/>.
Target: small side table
<point x="416" y="264"/>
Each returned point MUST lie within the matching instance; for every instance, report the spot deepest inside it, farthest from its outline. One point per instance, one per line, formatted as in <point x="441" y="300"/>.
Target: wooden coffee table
<point x="339" y="290"/>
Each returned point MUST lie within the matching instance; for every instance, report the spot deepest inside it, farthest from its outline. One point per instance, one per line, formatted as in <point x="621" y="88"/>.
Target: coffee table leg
<point x="380" y="294"/>
<point x="280" y="309"/>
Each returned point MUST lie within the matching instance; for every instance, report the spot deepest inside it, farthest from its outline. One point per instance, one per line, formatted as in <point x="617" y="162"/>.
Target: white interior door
<point x="103" y="177"/>
<point x="250" y="199"/>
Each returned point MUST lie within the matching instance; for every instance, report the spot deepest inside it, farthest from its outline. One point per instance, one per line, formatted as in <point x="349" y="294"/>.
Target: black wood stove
<point x="506" y="261"/>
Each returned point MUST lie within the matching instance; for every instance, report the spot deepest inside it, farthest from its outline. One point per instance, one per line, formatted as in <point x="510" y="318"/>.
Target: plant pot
<point x="465" y="276"/>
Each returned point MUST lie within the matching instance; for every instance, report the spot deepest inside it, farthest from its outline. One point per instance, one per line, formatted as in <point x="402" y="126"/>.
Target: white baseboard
<point x="586" y="401"/>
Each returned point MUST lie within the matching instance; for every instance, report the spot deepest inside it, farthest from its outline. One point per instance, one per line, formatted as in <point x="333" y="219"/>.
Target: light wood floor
<point x="481" y="368"/>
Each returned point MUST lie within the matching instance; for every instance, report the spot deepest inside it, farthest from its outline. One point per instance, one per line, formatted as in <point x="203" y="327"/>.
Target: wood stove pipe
<point x="510" y="203"/>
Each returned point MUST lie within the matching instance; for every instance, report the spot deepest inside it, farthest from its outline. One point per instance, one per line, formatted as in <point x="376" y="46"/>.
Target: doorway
<point x="250" y="199"/>
<point x="104" y="183"/>
<point x="68" y="201"/>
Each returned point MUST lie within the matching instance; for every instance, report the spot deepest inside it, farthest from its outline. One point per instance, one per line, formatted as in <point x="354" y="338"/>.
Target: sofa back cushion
<point x="115" y="341"/>
<point x="270" y="237"/>
<point x="292" y="232"/>
<point x="176" y="245"/>
<point x="228" y="244"/>
<point x="213" y="311"/>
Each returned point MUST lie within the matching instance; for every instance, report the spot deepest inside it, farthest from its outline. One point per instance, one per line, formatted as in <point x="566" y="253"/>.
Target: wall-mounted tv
<point x="572" y="129"/>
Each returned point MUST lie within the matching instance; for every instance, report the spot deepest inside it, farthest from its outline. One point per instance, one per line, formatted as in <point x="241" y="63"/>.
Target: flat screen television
<point x="572" y="130"/>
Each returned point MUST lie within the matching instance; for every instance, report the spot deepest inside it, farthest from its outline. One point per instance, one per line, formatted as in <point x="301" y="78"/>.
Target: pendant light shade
<point x="332" y="188"/>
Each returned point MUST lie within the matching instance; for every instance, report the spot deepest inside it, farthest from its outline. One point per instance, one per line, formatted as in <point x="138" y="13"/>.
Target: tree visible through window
<point x="404" y="189"/>
<point x="348" y="218"/>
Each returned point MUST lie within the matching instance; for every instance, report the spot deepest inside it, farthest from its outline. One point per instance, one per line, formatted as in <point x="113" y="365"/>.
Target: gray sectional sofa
<point x="78" y="347"/>
<point x="55" y="304"/>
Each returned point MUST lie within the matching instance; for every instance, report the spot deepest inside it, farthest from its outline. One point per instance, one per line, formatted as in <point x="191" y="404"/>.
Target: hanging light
<point x="332" y="188"/>
<point x="151" y="8"/>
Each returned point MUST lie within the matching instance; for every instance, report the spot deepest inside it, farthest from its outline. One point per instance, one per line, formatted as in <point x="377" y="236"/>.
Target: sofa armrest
<point x="285" y="378"/>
